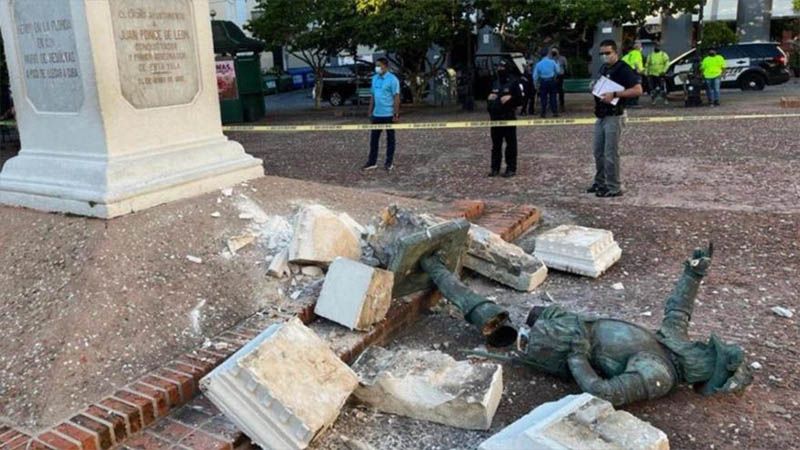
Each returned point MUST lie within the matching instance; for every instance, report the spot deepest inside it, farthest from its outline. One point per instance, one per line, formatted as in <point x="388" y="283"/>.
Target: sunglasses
<point x="606" y="53"/>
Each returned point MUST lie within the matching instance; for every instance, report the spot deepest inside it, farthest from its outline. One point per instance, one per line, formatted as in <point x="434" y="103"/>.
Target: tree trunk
<point x="318" y="89"/>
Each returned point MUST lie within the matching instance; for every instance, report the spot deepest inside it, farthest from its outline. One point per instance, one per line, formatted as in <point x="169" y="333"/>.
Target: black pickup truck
<point x="340" y="84"/>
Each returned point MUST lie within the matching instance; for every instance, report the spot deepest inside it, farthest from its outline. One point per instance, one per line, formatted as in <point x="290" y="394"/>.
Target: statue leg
<point x="680" y="304"/>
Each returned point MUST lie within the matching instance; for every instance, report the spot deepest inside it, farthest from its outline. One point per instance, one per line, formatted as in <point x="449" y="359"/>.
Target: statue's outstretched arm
<point x="646" y="377"/>
<point x="680" y="303"/>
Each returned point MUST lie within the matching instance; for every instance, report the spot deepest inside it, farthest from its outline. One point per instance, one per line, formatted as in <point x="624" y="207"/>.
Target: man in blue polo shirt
<point x="384" y="107"/>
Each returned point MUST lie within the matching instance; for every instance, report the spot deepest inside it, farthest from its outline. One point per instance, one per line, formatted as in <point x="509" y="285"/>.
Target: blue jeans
<point x="549" y="93"/>
<point x="374" y="140"/>
<point x="712" y="89"/>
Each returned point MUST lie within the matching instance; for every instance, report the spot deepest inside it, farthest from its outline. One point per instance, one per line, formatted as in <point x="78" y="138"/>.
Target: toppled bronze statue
<point x="623" y="362"/>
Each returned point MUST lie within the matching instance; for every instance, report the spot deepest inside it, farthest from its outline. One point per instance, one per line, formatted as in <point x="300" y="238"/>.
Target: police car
<point x="748" y="66"/>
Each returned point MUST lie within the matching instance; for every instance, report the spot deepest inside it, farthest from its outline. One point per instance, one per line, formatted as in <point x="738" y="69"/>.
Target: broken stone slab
<point x="237" y="243"/>
<point x="578" y="422"/>
<point x="576" y="249"/>
<point x="320" y="236"/>
<point x="279" y="266"/>
<point x="354" y="294"/>
<point x="429" y="385"/>
<point x="282" y="388"/>
<point x="489" y="255"/>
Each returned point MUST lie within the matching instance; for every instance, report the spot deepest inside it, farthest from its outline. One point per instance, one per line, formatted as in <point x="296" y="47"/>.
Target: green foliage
<point x="407" y="29"/>
<point x="312" y="30"/>
<point x="796" y="5"/>
<point x="717" y="34"/>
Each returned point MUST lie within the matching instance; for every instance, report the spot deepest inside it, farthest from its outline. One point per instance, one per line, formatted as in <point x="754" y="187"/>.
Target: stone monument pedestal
<point x="116" y="104"/>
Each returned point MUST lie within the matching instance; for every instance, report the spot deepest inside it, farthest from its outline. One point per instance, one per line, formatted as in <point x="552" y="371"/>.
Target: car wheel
<point x="752" y="82"/>
<point x="336" y="99"/>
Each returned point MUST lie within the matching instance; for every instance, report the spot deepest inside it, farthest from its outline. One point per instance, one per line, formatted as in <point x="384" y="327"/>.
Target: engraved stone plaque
<point x="156" y="51"/>
<point x="48" y="56"/>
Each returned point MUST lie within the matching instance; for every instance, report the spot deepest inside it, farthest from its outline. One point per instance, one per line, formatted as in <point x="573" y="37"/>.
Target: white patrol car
<point x="748" y="66"/>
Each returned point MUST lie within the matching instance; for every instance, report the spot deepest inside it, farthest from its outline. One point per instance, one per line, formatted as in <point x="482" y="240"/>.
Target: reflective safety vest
<point x="634" y="59"/>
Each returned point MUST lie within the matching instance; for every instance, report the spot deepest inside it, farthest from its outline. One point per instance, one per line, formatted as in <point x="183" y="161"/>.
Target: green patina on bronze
<point x="432" y="257"/>
<point x="623" y="362"/>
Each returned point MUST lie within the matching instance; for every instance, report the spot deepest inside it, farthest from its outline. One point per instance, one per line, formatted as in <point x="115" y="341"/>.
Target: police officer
<point x="502" y="103"/>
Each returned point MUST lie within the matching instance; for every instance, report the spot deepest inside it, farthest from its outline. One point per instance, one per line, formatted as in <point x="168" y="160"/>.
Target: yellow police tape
<point x="490" y="123"/>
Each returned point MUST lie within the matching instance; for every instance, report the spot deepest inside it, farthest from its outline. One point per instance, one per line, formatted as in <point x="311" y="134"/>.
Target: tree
<point x="408" y="30"/>
<point x="531" y="24"/>
<point x="311" y="30"/>
<point x="717" y="34"/>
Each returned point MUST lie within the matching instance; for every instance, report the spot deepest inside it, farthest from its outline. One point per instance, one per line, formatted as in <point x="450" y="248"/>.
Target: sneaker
<point x="493" y="173"/>
<point x="606" y="194"/>
<point x="716" y="103"/>
<point x="594" y="188"/>
<point x="369" y="167"/>
<point x="509" y="174"/>
<point x="389" y="168"/>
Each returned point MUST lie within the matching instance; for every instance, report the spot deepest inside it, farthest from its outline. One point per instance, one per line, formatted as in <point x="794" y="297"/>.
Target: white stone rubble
<point x="430" y="385"/>
<point x="320" y="236"/>
<point x="279" y="266"/>
<point x="283" y="388"/>
<point x="579" y="250"/>
<point x="489" y="255"/>
<point x="578" y="422"/>
<point x="355" y="295"/>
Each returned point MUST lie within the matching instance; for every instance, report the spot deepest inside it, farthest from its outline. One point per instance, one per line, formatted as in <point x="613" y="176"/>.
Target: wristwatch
<point x="615" y="94"/>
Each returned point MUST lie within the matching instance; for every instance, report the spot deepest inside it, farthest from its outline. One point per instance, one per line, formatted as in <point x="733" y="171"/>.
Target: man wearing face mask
<point x="384" y="107"/>
<point x="502" y="103"/>
<point x="656" y="70"/>
<point x="608" y="127"/>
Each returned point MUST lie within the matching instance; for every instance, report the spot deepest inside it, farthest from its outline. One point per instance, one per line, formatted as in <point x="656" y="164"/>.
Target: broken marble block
<point x="354" y="294"/>
<point x="576" y="249"/>
<point x="283" y="387"/>
<point x="430" y="385"/>
<point x="320" y="236"/>
<point x="578" y="422"/>
<point x="489" y="255"/>
<point x="279" y="266"/>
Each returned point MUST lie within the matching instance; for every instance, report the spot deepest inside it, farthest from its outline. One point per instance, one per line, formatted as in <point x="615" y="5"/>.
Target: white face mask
<point x="378" y="70"/>
<point x="605" y="58"/>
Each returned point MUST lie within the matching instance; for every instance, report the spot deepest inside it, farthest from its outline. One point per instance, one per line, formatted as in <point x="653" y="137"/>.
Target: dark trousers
<point x="548" y="91"/>
<point x="510" y="136"/>
<point x="560" y="84"/>
<point x="374" y="140"/>
<point x="529" y="102"/>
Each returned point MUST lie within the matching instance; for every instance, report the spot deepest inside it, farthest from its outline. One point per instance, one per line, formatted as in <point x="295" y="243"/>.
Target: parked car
<point x="749" y="66"/>
<point x="341" y="84"/>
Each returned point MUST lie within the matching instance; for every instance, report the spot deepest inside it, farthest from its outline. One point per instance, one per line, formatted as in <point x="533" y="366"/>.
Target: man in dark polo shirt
<point x="610" y="120"/>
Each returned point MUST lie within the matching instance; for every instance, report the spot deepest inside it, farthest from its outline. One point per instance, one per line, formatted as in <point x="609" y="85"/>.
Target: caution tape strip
<point x="480" y="123"/>
<point x="492" y="123"/>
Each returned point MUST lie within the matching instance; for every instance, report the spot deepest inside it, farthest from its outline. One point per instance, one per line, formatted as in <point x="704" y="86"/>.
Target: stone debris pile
<point x="286" y="386"/>
<point x="578" y="422"/>
<point x="429" y="385"/>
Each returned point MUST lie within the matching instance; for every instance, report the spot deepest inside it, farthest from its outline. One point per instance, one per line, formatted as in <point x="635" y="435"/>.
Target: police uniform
<point x="498" y="110"/>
